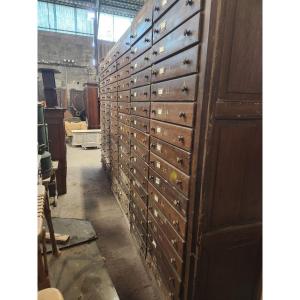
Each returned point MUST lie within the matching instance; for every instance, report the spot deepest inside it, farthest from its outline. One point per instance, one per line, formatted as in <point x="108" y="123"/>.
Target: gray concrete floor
<point x="89" y="197"/>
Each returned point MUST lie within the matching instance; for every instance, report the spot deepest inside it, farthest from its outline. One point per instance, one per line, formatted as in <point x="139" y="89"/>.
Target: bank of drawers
<point x="157" y="83"/>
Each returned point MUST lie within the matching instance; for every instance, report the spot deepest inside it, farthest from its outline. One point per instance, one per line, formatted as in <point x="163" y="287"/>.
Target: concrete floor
<point x="89" y="197"/>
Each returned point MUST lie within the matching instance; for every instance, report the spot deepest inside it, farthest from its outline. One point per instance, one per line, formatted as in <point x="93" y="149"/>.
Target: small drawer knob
<point x="156" y="8"/>
<point x="146" y="40"/>
<point x="153" y="111"/>
<point x="152" y="145"/>
<point x="186" y="61"/>
<point x="147" y="19"/>
<point x="154" y="52"/>
<point x="180" y="138"/>
<point x="156" y="30"/>
<point x="145" y="93"/>
<point x="151" y="177"/>
<point x="153" y="129"/>
<point x="154" y="72"/>
<point x="146" y="58"/>
<point x="182" y="114"/>
<point x="184" y="89"/>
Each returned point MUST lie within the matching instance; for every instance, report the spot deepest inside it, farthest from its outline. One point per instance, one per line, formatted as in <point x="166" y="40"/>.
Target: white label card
<point x="163" y="25"/>
<point x="158" y="147"/>
<point x="155" y="198"/>
<point x="155" y="213"/>
<point x="154" y="244"/>
<point x="160" y="91"/>
<point x="134" y="94"/>
<point x="157" y="180"/>
<point x="161" y="70"/>
<point x="164" y="2"/>
<point x="134" y="122"/>
<point x="134" y="147"/>
<point x="134" y="159"/>
<point x="134" y="134"/>
<point x="158" y="164"/>
<point x="158" y="129"/>
<point x="161" y="49"/>
<point x="134" y="80"/>
<point x="159" y="111"/>
<point x="135" y="65"/>
<point x="134" y="108"/>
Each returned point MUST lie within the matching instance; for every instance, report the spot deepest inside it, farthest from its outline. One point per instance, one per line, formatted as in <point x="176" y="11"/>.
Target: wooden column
<point x="92" y="105"/>
<point x="54" y="117"/>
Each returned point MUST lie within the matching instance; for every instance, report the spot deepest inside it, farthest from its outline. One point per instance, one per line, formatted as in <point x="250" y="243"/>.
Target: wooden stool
<point x="50" y="294"/>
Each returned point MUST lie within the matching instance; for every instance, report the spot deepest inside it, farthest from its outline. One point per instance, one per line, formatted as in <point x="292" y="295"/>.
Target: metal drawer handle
<point x="154" y="72"/>
<point x="178" y="182"/>
<point x="176" y="203"/>
<point x="131" y="67"/>
<point x="182" y="114"/>
<point x="154" y="92"/>
<point x="146" y="76"/>
<point x="154" y="52"/>
<point x="151" y="162"/>
<point x="127" y="43"/>
<point x="145" y="93"/>
<point x="146" y="40"/>
<point x="186" y="61"/>
<point x="147" y="19"/>
<point x="174" y="242"/>
<point x="153" y="129"/>
<point x="153" y="111"/>
<point x="179" y="160"/>
<point x="146" y="58"/>
<point x="151" y="177"/>
<point x="156" y="30"/>
<point x="152" y="145"/>
<point x="184" y="89"/>
<point x="156" y="8"/>
<point x="180" y="138"/>
<point x="172" y="260"/>
<point x="145" y="109"/>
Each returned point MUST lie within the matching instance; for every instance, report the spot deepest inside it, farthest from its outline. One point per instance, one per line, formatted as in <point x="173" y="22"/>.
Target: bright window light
<point x="91" y="15"/>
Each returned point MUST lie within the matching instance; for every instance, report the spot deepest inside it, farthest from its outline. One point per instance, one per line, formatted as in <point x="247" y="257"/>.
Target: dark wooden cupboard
<point x="192" y="136"/>
<point x="92" y="105"/>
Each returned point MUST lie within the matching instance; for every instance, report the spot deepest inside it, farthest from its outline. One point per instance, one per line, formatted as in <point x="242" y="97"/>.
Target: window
<point x="112" y="27"/>
<point x="61" y="18"/>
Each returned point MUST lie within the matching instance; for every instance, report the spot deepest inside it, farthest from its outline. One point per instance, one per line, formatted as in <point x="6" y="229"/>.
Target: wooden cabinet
<point x="92" y="105"/>
<point x="189" y="160"/>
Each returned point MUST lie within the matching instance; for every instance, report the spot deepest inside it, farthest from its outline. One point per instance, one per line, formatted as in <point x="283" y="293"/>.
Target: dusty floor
<point x="89" y="197"/>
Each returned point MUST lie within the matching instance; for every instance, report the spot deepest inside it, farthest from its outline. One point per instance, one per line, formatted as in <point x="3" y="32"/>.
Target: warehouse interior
<point x="149" y="145"/>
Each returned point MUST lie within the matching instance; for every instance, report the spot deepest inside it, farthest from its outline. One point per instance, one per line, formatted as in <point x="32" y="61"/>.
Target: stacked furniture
<point x="180" y="97"/>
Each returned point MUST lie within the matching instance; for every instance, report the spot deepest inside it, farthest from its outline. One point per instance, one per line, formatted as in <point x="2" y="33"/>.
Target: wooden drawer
<point x="139" y="182"/>
<point x="138" y="236"/>
<point x="160" y="7"/>
<point x="176" y="242"/>
<point x="138" y="149"/>
<point x="114" y="156"/>
<point x="123" y="60"/>
<point x="124" y="118"/>
<point x="142" y="22"/>
<point x="172" y="257"/>
<point x="140" y="123"/>
<point x="124" y="96"/>
<point x="124" y="159"/>
<point x="124" y="72"/>
<point x="125" y="130"/>
<point x="173" y="18"/>
<point x="140" y="78"/>
<point x="103" y="90"/>
<point x="140" y="137"/>
<point x="178" y="113"/>
<point x="140" y="109"/>
<point x="113" y="106"/>
<point x="125" y="179"/>
<point x="141" y="63"/>
<point x="123" y="44"/>
<point x="141" y="46"/>
<point x="140" y="224"/>
<point x="114" y="114"/>
<point x="114" y="122"/>
<point x="123" y="166"/>
<point x="176" y="178"/>
<point x="141" y="220"/>
<point x="184" y="63"/>
<point x="177" y="222"/>
<point x="111" y="88"/>
<point x="176" y="135"/>
<point x="124" y="138"/>
<point x="124" y="107"/>
<point x="137" y="163"/>
<point x="124" y="85"/>
<point x="142" y="203"/>
<point x="173" y="155"/>
<point x="181" y="89"/>
<point x="173" y="196"/>
<point x="141" y="93"/>
<point x="184" y="36"/>
<point x="112" y="96"/>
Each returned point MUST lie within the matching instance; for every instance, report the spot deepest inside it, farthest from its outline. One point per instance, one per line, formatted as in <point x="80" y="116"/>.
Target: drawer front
<point x="181" y="89"/>
<point x="139" y="164"/>
<point x="139" y="183"/>
<point x="111" y="88"/>
<point x="124" y="159"/>
<point x="160" y="7"/>
<point x="140" y="223"/>
<point x="140" y="109"/>
<point x="173" y="155"/>
<point x="112" y="96"/>
<point x="124" y="118"/>
<point x="124" y="107"/>
<point x="138" y="149"/>
<point x="141" y="63"/>
<point x="156" y="199"/>
<point x="172" y="257"/>
<point x="113" y="122"/>
<point x="141" y="46"/>
<point x="176" y="135"/>
<point x="174" y="239"/>
<point x="172" y="18"/>
<point x="123" y="166"/>
<point x="123" y="44"/>
<point x="175" y="198"/>
<point x="103" y="97"/>
<point x="125" y="130"/>
<point x="113" y="106"/>
<point x="141" y="220"/>
<point x="142" y="22"/>
<point x="176" y="178"/>
<point x="140" y="123"/>
<point x="184" y="36"/>
<point x="123" y="73"/>
<point x="124" y="138"/>
<point x="123" y="60"/>
<point x="125" y="179"/>
<point x="178" y="113"/>
<point x="124" y="96"/>
<point x="138" y="236"/>
<point x="140" y="137"/>
<point x="103" y="90"/>
<point x="114" y="114"/>
<point x="141" y="78"/>
<point x="141" y="93"/>
<point x="184" y="63"/>
<point x="124" y="85"/>
<point x="140" y="203"/>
